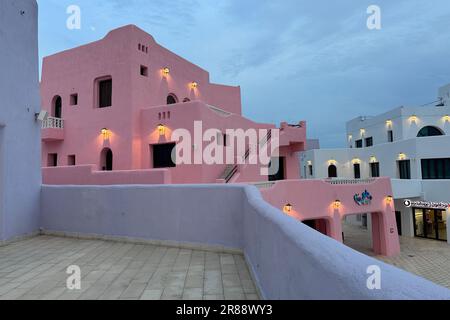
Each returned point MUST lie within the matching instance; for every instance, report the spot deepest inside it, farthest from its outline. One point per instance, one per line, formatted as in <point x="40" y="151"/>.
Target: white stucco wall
<point x="20" y="176"/>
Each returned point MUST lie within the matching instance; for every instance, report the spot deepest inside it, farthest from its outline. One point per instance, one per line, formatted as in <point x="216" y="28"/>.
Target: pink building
<point x="115" y="104"/>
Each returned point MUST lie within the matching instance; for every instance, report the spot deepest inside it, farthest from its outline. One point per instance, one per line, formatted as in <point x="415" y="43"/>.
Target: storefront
<point x="430" y="219"/>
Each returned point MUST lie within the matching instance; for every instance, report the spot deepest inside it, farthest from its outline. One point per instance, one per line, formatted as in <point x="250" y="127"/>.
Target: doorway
<point x="281" y="173"/>
<point x="430" y="224"/>
<point x="398" y="218"/>
<point x="162" y="155"/>
<point x="106" y="160"/>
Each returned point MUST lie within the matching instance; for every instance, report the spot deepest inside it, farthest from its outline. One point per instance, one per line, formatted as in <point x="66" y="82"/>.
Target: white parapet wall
<point x="288" y="260"/>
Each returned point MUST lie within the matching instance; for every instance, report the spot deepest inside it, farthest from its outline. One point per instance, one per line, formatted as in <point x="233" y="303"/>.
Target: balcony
<point x="53" y="129"/>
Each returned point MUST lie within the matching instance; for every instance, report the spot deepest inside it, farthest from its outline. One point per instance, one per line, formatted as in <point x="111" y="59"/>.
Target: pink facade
<point x="116" y="138"/>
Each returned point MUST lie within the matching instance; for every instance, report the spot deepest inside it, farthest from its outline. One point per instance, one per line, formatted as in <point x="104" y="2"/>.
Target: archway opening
<point x="172" y="99"/>
<point x="430" y="131"/>
<point x="106" y="160"/>
<point x="332" y="171"/>
<point x="320" y="225"/>
<point x="57" y="107"/>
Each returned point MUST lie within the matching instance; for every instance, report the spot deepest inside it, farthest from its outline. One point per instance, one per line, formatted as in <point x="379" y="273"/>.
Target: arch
<point x="106" y="160"/>
<point x="430" y="131"/>
<point x="332" y="171"/>
<point x="172" y="99"/>
<point x="186" y="100"/>
<point x="57" y="107"/>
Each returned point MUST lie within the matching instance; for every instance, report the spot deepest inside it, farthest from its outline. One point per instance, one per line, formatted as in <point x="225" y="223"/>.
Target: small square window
<point x="144" y="71"/>
<point x="71" y="160"/>
<point x="52" y="160"/>
<point x="74" y="99"/>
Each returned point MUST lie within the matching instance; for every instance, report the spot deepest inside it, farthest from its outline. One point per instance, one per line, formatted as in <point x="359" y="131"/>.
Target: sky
<point x="294" y="59"/>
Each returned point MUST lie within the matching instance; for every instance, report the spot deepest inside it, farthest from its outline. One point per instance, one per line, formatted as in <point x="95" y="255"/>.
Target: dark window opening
<point x="106" y="162"/>
<point x="186" y="100"/>
<point x="359" y="144"/>
<point x="172" y="99"/>
<point x="398" y="218"/>
<point x="57" y="107"/>
<point x="430" y="132"/>
<point x="390" y="136"/>
<point x="437" y="169"/>
<point x="105" y="93"/>
<point x="404" y="168"/>
<point x="357" y="170"/>
<point x="280" y="174"/>
<point x="311" y="172"/>
<point x="71" y="160"/>
<point x="74" y="99"/>
<point x="375" y="170"/>
<point x="162" y="155"/>
<point x="332" y="171"/>
<point x="52" y="160"/>
<point x="369" y="142"/>
<point x="144" y="71"/>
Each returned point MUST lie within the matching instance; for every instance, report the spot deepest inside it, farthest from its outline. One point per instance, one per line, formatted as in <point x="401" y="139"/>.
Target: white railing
<point x="53" y="123"/>
<point x="219" y="111"/>
<point x="349" y="181"/>
<point x="264" y="185"/>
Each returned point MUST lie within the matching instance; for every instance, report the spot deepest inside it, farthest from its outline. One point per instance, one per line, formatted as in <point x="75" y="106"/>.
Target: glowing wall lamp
<point x="389" y="123"/>
<point x="287" y="208"/>
<point x="373" y="159"/>
<point x="161" y="129"/>
<point x="350" y="137"/>
<point x="337" y="204"/>
<point x="105" y="133"/>
<point x="389" y="199"/>
<point x="402" y="156"/>
<point x="194" y="85"/>
<point x="413" y="118"/>
<point x="356" y="161"/>
<point x="165" y="71"/>
<point x="362" y="131"/>
<point x="332" y="162"/>
<point x="446" y="118"/>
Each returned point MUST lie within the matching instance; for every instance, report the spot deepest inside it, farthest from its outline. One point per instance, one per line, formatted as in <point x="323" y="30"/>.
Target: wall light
<point x="332" y="162"/>
<point x="373" y="159"/>
<point x="446" y="118"/>
<point x="194" y="85"/>
<point x="287" y="208"/>
<point x="362" y="131"/>
<point x="161" y="129"/>
<point x="356" y="161"/>
<point x="337" y="204"/>
<point x="402" y="156"/>
<point x="105" y="133"/>
<point x="389" y="199"/>
<point x="389" y="123"/>
<point x="350" y="137"/>
<point x="309" y="163"/>
<point x="166" y="71"/>
<point x="413" y="118"/>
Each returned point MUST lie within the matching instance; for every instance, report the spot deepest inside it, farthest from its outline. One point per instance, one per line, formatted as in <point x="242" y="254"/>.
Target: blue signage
<point x="364" y="199"/>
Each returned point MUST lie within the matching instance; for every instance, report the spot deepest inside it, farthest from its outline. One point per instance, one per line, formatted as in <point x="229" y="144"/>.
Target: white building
<point x="20" y="174"/>
<point x="409" y="144"/>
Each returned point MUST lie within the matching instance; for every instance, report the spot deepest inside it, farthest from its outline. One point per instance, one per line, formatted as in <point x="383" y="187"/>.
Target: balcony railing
<point x="53" y="123"/>
<point x="349" y="181"/>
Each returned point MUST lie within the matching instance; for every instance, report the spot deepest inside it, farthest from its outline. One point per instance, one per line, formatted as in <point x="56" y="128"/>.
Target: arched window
<point x="172" y="99"/>
<point x="186" y="100"/>
<point x="106" y="160"/>
<point x="57" y="107"/>
<point x="430" y="131"/>
<point x="332" y="171"/>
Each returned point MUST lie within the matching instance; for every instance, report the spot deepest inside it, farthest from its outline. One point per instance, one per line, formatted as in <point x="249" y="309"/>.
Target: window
<point x="71" y="160"/>
<point x="404" y="168"/>
<point x="429" y="132"/>
<point x="357" y="170"/>
<point x="106" y="160"/>
<point x="172" y="99"/>
<point x="52" y="160"/>
<point x="435" y="169"/>
<point x="311" y="172"/>
<point x="359" y="144"/>
<point x="74" y="99"/>
<point x="162" y="155"/>
<point x="369" y="142"/>
<point x="375" y="170"/>
<point x="105" y="93"/>
<point x="57" y="107"/>
<point x="332" y="171"/>
<point x="144" y="71"/>
<point x="390" y="136"/>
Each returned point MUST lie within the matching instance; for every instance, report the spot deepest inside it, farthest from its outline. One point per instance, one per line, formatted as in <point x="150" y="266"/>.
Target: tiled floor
<point x="36" y="269"/>
<point x="427" y="258"/>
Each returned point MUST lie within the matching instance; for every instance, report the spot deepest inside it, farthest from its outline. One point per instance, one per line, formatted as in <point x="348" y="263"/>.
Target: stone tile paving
<point x="35" y="269"/>
<point x="429" y="259"/>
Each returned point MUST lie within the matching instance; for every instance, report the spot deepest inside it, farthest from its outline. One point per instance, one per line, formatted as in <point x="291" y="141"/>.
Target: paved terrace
<point x="426" y="258"/>
<point x="36" y="269"/>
